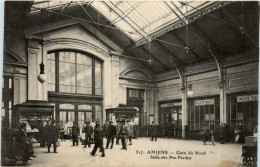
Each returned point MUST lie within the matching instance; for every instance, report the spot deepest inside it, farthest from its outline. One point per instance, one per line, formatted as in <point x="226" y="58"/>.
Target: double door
<point x="171" y="120"/>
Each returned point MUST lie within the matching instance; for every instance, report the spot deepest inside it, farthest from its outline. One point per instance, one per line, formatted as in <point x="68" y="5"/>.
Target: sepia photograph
<point x="130" y="83"/>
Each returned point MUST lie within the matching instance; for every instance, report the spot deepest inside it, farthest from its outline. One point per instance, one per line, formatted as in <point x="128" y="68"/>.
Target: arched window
<point x="74" y="72"/>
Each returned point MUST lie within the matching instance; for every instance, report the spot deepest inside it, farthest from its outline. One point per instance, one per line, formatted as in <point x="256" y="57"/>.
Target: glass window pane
<point x="71" y="116"/>
<point x="85" y="107"/>
<point x="98" y="76"/>
<point x="89" y="116"/>
<point x="98" y="113"/>
<point x="81" y="119"/>
<point x="63" y="116"/>
<point x="66" y="106"/>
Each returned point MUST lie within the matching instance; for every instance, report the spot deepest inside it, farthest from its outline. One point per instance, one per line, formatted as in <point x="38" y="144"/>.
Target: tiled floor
<point x="143" y="152"/>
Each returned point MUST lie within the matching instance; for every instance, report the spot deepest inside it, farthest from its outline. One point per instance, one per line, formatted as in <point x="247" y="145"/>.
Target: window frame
<point x="93" y="66"/>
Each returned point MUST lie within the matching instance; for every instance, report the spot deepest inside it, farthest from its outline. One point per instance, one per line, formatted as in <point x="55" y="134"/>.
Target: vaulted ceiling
<point x="168" y="33"/>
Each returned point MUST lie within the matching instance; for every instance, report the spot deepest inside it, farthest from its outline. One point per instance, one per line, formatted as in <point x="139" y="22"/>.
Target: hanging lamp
<point x="42" y="77"/>
<point x="190" y="92"/>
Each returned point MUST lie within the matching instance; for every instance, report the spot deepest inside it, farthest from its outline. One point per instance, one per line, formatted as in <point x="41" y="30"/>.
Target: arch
<point x="75" y="44"/>
<point x="129" y="70"/>
<point x="14" y="55"/>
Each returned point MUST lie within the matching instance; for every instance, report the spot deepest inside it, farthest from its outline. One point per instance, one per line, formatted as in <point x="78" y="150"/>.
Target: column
<point x="114" y="80"/>
<point x="222" y="101"/>
<point x="184" y="111"/>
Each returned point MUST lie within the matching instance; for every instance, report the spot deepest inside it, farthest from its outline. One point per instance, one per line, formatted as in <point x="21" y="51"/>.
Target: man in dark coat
<point x="88" y="133"/>
<point x="111" y="134"/>
<point x="154" y="131"/>
<point x="98" y="138"/>
<point x="53" y="135"/>
<point x="75" y="134"/>
<point x="135" y="128"/>
<point x="26" y="145"/>
<point x="105" y="129"/>
<point x="222" y="133"/>
<point x="118" y="126"/>
<point x="41" y="135"/>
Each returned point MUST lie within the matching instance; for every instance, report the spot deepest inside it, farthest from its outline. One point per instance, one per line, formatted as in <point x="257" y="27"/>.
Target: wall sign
<point x="171" y="104"/>
<point x="247" y="98"/>
<point x="204" y="102"/>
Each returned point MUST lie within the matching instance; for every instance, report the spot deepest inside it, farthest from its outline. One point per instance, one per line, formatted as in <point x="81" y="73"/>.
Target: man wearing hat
<point x="75" y="134"/>
<point x="88" y="133"/>
<point x="98" y="138"/>
<point x="53" y="132"/>
<point x="123" y="134"/>
<point x="111" y="134"/>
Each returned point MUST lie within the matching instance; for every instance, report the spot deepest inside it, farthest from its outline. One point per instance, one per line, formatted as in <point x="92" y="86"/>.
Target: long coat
<point x="111" y="130"/>
<point x="88" y="130"/>
<point x="75" y="130"/>
<point x="53" y="132"/>
<point x="98" y="134"/>
<point x="222" y="132"/>
<point x="154" y="130"/>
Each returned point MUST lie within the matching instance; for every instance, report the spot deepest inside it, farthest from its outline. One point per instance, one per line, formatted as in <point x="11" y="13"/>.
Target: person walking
<point x="123" y="135"/>
<point x="206" y="133"/>
<point x="154" y="131"/>
<point x="93" y="125"/>
<point x="88" y="133"/>
<point x="98" y="138"/>
<point x="105" y="129"/>
<point x="75" y="134"/>
<point x="118" y="126"/>
<point x="130" y="130"/>
<point x="53" y="136"/>
<point x="111" y="134"/>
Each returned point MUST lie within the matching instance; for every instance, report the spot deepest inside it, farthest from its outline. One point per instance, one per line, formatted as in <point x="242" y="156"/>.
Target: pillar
<point x="184" y="111"/>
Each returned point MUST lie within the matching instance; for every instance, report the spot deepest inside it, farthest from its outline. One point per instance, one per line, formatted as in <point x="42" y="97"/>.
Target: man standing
<point x="130" y="131"/>
<point x="98" y="138"/>
<point x="123" y="134"/>
<point x="88" y="133"/>
<point x="75" y="134"/>
<point x="41" y="135"/>
<point x="53" y="132"/>
<point x="135" y="128"/>
<point x="111" y="134"/>
<point x="93" y="125"/>
<point x="118" y="126"/>
<point x="154" y="131"/>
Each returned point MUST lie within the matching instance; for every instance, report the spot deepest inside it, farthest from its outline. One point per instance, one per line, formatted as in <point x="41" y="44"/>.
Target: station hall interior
<point x="186" y="63"/>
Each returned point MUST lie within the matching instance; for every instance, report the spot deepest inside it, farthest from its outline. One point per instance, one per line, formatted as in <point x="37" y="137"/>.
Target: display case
<point x="33" y="112"/>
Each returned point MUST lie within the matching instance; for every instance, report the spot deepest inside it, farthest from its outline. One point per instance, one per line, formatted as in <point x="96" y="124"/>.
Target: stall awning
<point x="123" y="109"/>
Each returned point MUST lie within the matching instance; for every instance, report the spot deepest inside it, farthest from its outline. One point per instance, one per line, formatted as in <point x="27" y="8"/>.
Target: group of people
<point x="49" y="134"/>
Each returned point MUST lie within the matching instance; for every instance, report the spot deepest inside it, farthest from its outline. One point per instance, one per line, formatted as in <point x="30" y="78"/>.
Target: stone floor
<point x="143" y="152"/>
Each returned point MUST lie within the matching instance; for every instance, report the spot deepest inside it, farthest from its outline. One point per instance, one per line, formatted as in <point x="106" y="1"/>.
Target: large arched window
<point x="74" y="72"/>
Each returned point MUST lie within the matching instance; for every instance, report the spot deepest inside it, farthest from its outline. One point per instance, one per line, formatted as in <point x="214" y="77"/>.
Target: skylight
<point x="137" y="19"/>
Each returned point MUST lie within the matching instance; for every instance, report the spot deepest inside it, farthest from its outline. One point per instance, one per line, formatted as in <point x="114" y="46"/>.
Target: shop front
<point x="121" y="113"/>
<point x="170" y="121"/>
<point x="203" y="111"/>
<point x="244" y="112"/>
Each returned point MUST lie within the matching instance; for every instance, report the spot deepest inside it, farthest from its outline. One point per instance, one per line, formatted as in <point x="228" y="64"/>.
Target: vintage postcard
<point x="130" y="83"/>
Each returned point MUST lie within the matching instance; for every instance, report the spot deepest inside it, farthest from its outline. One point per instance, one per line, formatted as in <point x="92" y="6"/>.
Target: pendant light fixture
<point x="190" y="92"/>
<point x="42" y="77"/>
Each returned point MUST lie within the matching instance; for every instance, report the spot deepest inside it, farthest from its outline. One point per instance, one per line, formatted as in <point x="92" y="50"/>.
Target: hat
<point x="97" y="123"/>
<point x="111" y="122"/>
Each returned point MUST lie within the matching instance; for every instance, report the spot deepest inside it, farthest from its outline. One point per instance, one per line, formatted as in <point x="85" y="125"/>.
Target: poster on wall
<point x="181" y="78"/>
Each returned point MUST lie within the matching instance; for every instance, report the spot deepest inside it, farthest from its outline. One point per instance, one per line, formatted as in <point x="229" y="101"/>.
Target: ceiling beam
<point x="177" y="62"/>
<point x="159" y="61"/>
<point x="149" y="67"/>
<point x="174" y="34"/>
<point x="240" y="30"/>
<point x="127" y="21"/>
